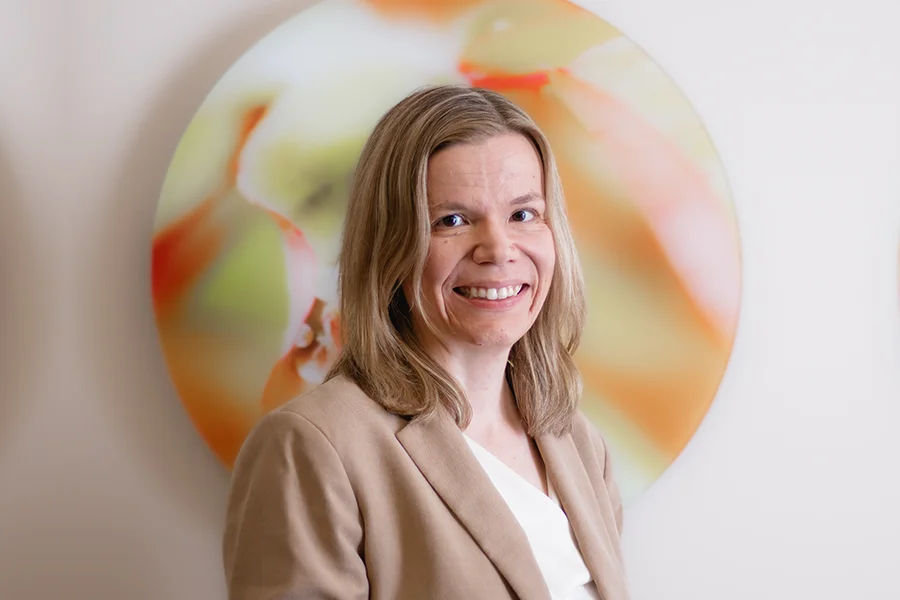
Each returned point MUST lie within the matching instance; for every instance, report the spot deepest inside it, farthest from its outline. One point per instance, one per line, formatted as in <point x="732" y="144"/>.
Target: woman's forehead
<point x="507" y="168"/>
<point x="491" y="155"/>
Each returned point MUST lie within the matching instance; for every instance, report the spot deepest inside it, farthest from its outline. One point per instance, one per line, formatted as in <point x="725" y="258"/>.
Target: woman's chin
<point x="486" y="341"/>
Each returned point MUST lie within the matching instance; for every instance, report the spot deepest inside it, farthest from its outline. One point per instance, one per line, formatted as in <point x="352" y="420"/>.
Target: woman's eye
<point x="451" y="221"/>
<point x="523" y="216"/>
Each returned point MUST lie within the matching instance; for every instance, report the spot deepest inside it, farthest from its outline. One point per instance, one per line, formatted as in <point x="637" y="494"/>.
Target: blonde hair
<point x="385" y="243"/>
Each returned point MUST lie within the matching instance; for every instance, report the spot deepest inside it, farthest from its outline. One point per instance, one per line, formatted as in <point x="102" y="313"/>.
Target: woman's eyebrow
<point x="456" y="206"/>
<point x="526" y="198"/>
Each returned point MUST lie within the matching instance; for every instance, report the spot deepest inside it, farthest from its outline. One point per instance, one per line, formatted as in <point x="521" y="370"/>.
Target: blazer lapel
<point x="441" y="454"/>
<point x="573" y="486"/>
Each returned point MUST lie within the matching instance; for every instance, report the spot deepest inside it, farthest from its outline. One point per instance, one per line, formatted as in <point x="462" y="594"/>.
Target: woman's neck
<point x="482" y="375"/>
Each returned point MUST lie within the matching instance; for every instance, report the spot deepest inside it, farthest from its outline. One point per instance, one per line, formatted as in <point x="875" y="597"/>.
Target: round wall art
<point x="249" y="221"/>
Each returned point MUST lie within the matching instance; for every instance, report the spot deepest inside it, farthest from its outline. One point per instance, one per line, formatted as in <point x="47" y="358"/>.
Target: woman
<point x="445" y="456"/>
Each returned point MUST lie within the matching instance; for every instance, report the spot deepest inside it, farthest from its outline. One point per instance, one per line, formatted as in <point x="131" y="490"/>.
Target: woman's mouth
<point x="491" y="293"/>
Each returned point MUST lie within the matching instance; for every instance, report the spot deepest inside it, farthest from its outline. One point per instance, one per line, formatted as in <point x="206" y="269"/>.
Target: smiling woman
<point x="445" y="455"/>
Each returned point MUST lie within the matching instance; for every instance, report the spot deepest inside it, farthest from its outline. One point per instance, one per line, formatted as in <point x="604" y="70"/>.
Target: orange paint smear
<point x="182" y="251"/>
<point x="284" y="380"/>
<point x="222" y="421"/>
<point x="504" y="82"/>
<point x="215" y="406"/>
<point x="284" y="224"/>
<point x="222" y="426"/>
<point x="666" y="409"/>
<point x="434" y="10"/>
<point x="251" y="119"/>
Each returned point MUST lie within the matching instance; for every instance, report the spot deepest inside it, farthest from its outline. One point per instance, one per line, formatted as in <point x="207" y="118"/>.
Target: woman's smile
<point x="491" y="292"/>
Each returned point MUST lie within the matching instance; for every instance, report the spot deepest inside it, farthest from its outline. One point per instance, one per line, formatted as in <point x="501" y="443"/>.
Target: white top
<point x="546" y="526"/>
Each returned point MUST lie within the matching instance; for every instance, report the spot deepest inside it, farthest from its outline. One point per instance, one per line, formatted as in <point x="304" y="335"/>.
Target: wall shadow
<point x="21" y="316"/>
<point x="125" y="348"/>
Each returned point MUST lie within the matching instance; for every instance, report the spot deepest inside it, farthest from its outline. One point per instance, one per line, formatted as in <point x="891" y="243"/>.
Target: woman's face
<point x="491" y="256"/>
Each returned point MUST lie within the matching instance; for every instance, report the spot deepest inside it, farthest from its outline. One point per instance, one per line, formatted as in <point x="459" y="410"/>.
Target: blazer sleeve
<point x="293" y="528"/>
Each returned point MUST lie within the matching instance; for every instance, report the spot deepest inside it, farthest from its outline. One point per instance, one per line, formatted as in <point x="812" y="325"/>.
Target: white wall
<point x="789" y="489"/>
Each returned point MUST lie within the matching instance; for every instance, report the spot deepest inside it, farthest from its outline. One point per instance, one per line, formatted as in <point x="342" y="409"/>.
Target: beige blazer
<point x="334" y="497"/>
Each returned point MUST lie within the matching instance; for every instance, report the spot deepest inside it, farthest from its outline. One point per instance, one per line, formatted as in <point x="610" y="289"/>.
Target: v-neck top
<point x="546" y="526"/>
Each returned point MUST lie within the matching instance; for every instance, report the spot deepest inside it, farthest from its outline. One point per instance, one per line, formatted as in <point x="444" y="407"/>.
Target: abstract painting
<point x="248" y="225"/>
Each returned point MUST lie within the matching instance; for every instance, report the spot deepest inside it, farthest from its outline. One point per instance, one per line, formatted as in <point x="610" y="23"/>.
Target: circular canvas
<point x="248" y="225"/>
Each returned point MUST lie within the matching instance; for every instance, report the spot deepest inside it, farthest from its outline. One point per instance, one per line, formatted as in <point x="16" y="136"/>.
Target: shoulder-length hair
<point x="385" y="243"/>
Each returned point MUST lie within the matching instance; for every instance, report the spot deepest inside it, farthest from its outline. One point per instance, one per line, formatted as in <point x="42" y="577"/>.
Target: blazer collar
<point x="566" y="471"/>
<point x="442" y="455"/>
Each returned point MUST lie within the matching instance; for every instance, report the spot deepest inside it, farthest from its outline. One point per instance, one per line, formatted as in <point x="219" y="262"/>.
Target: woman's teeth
<point x="491" y="293"/>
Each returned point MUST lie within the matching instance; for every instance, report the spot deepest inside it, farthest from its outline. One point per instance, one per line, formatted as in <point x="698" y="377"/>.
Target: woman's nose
<point x="494" y="244"/>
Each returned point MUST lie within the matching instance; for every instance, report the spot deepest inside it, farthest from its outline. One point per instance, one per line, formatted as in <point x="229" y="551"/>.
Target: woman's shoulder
<point x="340" y="410"/>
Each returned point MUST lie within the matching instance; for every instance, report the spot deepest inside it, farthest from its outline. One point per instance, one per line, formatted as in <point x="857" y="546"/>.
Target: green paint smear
<point x="249" y="287"/>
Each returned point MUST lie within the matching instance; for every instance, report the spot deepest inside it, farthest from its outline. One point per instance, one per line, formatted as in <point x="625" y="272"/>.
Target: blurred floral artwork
<point x="248" y="225"/>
